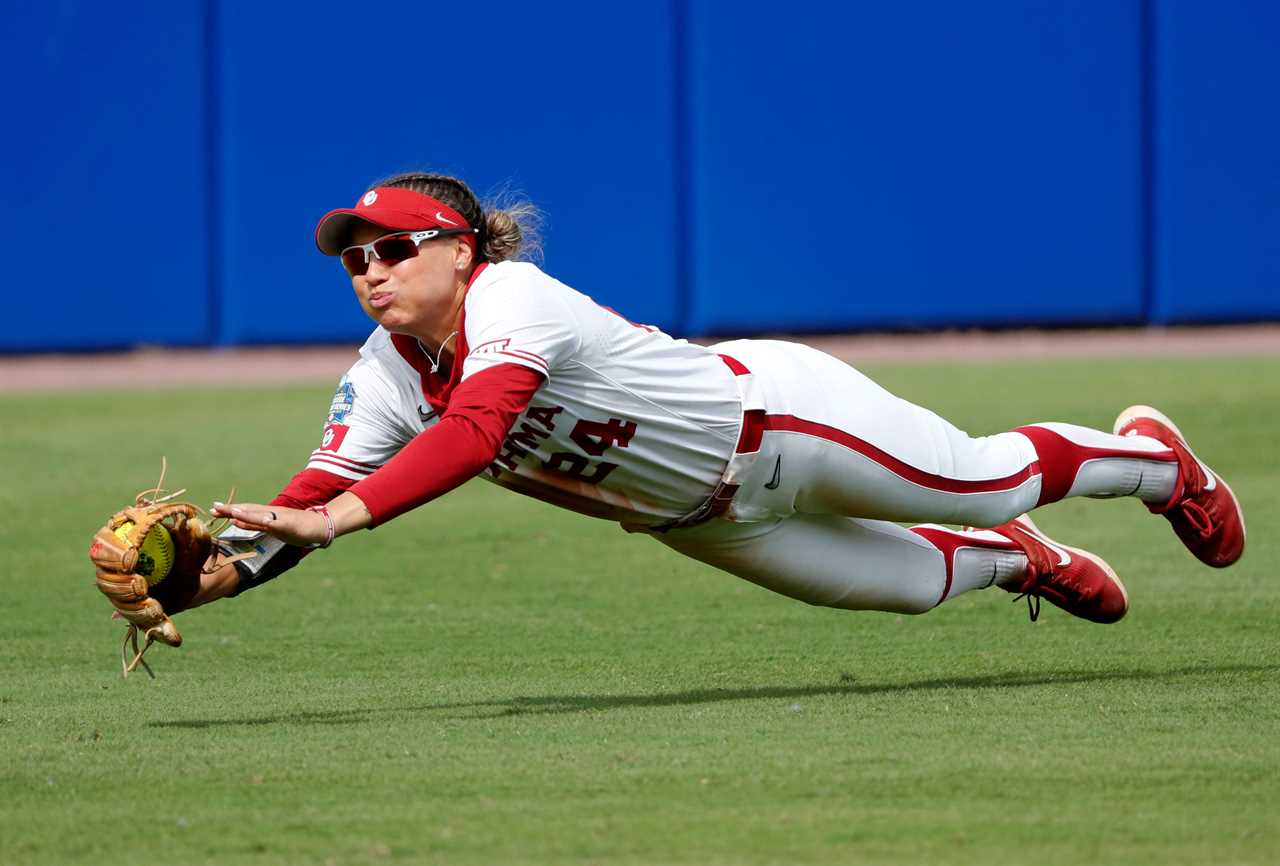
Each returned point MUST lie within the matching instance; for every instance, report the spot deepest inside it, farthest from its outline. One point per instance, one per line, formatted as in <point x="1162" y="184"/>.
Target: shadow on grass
<point x="557" y="704"/>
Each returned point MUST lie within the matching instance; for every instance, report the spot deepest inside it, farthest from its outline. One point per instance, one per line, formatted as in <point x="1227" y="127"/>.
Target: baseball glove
<point x="123" y="568"/>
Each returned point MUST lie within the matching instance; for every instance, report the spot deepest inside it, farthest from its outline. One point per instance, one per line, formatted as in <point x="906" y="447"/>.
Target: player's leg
<point x="850" y="447"/>
<point x="858" y="564"/>
<point x="926" y="469"/>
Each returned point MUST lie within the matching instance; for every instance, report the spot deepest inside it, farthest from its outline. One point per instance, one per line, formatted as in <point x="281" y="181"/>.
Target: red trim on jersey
<point x="1061" y="459"/>
<point x="501" y="347"/>
<point x="355" y="464"/>
<point x="325" y="458"/>
<point x="738" y="368"/>
<point x="542" y="368"/>
<point x="467" y="439"/>
<point x="437" y="388"/>
<point x="311" y="487"/>
<point x="527" y="356"/>
<point x="792" y="424"/>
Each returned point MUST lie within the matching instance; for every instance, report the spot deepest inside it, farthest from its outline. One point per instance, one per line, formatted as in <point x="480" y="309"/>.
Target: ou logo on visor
<point x="369" y="198"/>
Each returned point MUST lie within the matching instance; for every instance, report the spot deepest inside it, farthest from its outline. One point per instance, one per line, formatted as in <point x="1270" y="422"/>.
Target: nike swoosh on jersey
<point x="425" y="416"/>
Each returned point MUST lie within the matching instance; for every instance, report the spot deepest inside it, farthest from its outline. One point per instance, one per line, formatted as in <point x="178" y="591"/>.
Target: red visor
<point x="389" y="208"/>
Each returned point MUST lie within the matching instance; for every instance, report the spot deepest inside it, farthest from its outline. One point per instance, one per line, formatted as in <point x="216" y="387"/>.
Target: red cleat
<point x="1204" y="512"/>
<point x="1075" y="580"/>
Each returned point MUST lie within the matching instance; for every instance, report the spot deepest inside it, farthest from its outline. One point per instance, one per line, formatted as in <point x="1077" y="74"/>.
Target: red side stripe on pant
<point x="792" y="424"/>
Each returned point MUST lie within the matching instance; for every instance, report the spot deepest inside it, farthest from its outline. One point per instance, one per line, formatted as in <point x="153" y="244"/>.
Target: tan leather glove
<point x="121" y="564"/>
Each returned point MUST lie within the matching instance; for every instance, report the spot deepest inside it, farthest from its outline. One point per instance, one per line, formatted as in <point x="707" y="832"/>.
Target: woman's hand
<point x="290" y="525"/>
<point x="298" y="527"/>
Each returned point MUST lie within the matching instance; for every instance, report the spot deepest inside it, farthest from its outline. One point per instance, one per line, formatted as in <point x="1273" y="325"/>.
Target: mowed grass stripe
<point x="490" y="680"/>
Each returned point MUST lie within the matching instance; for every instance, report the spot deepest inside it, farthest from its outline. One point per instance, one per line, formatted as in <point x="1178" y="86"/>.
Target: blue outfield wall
<point x="105" y="153"/>
<point x="571" y="103"/>
<point x="707" y="166"/>
<point x="1217" y="160"/>
<point x="909" y="164"/>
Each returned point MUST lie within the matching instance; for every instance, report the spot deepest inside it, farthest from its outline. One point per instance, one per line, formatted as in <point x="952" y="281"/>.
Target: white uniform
<point x="629" y="425"/>
<point x="770" y="460"/>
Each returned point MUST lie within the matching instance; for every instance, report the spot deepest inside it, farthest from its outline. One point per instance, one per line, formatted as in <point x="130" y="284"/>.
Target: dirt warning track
<point x="158" y="368"/>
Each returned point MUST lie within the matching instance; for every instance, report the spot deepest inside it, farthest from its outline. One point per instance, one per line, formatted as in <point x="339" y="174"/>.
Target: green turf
<point x="490" y="680"/>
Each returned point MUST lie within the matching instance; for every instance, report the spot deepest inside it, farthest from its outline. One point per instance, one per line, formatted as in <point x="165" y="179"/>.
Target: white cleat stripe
<point x="1024" y="523"/>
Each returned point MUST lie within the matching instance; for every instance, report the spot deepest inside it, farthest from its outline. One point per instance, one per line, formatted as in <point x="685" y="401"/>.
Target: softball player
<point x="769" y="460"/>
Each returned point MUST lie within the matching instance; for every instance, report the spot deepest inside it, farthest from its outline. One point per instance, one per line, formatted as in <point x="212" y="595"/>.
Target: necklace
<point x="435" y="362"/>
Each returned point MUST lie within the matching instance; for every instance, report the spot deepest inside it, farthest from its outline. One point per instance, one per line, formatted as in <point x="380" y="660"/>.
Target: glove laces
<point x="128" y="665"/>
<point x="156" y="496"/>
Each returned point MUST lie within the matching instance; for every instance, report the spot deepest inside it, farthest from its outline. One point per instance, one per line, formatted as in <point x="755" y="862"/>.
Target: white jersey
<point x="629" y="424"/>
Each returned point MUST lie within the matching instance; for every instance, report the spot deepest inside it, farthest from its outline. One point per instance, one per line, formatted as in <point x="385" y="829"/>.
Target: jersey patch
<point x="343" y="401"/>
<point x="333" y="436"/>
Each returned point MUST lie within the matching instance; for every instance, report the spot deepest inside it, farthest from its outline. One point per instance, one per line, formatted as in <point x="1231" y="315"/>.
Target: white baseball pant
<point x="828" y="458"/>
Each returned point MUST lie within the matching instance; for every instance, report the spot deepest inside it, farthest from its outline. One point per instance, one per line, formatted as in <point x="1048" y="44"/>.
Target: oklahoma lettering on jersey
<point x="629" y="424"/>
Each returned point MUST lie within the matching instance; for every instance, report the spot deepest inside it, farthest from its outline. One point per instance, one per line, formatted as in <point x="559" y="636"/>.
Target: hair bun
<point x="503" y="235"/>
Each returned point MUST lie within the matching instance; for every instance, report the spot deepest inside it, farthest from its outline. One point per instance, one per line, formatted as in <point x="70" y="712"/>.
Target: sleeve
<point x="523" y="318"/>
<point x="467" y="438"/>
<point x="363" y="429"/>
<point x="311" y="487"/>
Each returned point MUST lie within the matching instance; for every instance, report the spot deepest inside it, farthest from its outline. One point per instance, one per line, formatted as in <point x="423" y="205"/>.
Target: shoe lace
<point x="1198" y="517"/>
<point x="1039" y="567"/>
<point x="1041" y="571"/>
<point x="1032" y="596"/>
<point x="1193" y="484"/>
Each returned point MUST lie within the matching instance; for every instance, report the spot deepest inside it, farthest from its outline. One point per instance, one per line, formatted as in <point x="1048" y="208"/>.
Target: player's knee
<point x="910" y="604"/>
<point x="996" y="511"/>
<point x="913" y="607"/>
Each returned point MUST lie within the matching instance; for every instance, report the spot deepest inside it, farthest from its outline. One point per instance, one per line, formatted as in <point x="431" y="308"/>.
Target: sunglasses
<point x="392" y="248"/>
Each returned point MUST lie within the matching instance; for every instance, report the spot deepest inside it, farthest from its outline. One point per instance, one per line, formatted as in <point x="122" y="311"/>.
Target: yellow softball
<point x="155" y="558"/>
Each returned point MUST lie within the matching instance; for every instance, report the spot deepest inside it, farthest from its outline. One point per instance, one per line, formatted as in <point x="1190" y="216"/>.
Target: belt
<point x="749" y="438"/>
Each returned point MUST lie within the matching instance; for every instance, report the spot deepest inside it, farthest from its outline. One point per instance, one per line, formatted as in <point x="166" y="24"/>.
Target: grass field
<point x="489" y="680"/>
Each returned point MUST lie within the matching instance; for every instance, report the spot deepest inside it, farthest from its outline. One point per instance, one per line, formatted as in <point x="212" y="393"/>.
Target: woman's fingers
<point x="259" y="517"/>
<point x="290" y="525"/>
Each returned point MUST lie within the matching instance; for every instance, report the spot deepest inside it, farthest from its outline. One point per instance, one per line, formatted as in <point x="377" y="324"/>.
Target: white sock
<point x="1133" y="474"/>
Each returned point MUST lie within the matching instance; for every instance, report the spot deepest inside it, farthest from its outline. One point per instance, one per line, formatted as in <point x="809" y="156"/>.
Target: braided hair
<point x="508" y="230"/>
